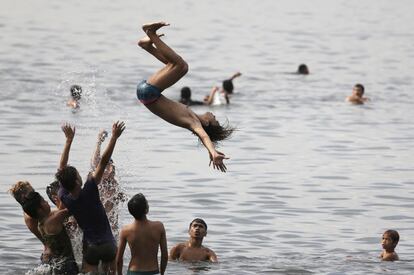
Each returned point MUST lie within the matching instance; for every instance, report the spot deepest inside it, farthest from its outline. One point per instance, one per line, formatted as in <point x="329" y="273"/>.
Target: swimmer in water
<point x="75" y="96"/>
<point x="85" y="205"/>
<point x="109" y="191"/>
<point x="143" y="238"/>
<point x="193" y="250"/>
<point x="149" y="92"/>
<point x="389" y="241"/>
<point x="53" y="232"/>
<point x="303" y="69"/>
<point x="357" y="96"/>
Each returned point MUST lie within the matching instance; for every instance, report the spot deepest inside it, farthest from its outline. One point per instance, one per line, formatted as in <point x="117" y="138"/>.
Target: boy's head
<point x="69" y="178"/>
<point x="52" y="191"/>
<point x="228" y="86"/>
<point x="138" y="206"/>
<point x="197" y="228"/>
<point x="76" y="92"/>
<point x="186" y="93"/>
<point x="303" y="69"/>
<point x="214" y="130"/>
<point x="35" y="206"/>
<point x="20" y="190"/>
<point x="390" y="239"/>
<point x="359" y="90"/>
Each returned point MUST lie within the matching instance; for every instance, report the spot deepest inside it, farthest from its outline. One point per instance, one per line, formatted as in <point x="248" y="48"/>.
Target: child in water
<point x="75" y="96"/>
<point x="149" y="92"/>
<point x="357" y="96"/>
<point x="389" y="241"/>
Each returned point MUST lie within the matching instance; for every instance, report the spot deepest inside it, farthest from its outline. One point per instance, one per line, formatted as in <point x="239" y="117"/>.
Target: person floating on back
<point x="357" y="96"/>
<point x="85" y="205"/>
<point x="221" y="96"/>
<point x="149" y="92"/>
<point x="193" y="250"/>
<point x="143" y="237"/>
<point x="75" y="96"/>
<point x="389" y="241"/>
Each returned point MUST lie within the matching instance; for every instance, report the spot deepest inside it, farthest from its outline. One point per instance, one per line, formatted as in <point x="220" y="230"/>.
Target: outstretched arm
<point x="69" y="132"/>
<point x="210" y="98"/>
<point x="120" y="252"/>
<point x="216" y="157"/>
<point x="97" y="154"/>
<point x="235" y="75"/>
<point x="117" y="130"/>
<point x="164" y="251"/>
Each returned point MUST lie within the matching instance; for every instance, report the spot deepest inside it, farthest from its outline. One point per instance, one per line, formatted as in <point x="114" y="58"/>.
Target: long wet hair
<point x="218" y="132"/>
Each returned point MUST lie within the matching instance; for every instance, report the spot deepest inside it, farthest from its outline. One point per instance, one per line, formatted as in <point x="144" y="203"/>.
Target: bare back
<point x="174" y="113"/>
<point x="143" y="239"/>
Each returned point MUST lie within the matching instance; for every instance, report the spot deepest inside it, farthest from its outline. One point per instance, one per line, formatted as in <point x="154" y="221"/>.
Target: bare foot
<point x="153" y="27"/>
<point x="146" y="42"/>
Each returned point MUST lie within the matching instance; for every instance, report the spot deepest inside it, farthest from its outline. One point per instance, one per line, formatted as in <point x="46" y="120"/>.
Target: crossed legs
<point x="175" y="67"/>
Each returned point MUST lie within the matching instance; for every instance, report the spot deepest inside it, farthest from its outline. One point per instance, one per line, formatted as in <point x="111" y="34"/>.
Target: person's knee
<point x="183" y="66"/>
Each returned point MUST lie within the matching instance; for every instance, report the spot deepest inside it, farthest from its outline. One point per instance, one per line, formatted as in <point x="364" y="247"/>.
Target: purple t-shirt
<point x="89" y="213"/>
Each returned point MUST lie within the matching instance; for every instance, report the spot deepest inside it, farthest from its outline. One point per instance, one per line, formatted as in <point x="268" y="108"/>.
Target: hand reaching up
<point x="69" y="131"/>
<point x="117" y="129"/>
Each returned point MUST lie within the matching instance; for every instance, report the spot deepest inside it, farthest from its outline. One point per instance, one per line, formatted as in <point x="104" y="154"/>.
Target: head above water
<point x="69" y="178"/>
<point x="228" y="86"/>
<point x="393" y="234"/>
<point x="186" y="93"/>
<point x="359" y="89"/>
<point x="303" y="69"/>
<point x="52" y="191"/>
<point x="76" y="92"/>
<point x="20" y="190"/>
<point x="138" y="206"/>
<point x="33" y="204"/>
<point x="200" y="221"/>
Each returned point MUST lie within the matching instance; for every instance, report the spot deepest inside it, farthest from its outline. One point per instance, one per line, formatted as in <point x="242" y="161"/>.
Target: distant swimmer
<point x="193" y="250"/>
<point x="149" y="92"/>
<point x="85" y="205"/>
<point x="221" y="96"/>
<point x="389" y="241"/>
<point x="303" y="69"/>
<point x="143" y="237"/>
<point x="186" y="98"/>
<point x="357" y="96"/>
<point x="53" y="232"/>
<point x="75" y="96"/>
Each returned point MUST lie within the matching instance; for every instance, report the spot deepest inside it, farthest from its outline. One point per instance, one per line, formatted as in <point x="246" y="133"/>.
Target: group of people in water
<point x="92" y="206"/>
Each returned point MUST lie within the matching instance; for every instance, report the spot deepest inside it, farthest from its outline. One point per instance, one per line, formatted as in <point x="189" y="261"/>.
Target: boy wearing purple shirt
<point x="85" y="205"/>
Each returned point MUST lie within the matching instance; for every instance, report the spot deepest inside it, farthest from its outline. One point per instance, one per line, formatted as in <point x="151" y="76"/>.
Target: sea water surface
<point x="312" y="181"/>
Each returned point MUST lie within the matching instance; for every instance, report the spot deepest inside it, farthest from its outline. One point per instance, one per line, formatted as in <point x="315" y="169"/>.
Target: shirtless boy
<point x="193" y="250"/>
<point x="143" y="237"/>
<point x="357" y="96"/>
<point x="389" y="241"/>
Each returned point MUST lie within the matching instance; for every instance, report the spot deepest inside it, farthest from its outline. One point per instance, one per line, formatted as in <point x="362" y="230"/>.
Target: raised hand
<point x="102" y="135"/>
<point x="69" y="131"/>
<point x="217" y="159"/>
<point x="117" y="128"/>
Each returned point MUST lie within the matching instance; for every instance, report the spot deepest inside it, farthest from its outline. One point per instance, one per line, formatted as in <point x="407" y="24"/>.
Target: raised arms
<point x="117" y="129"/>
<point x="69" y="132"/>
